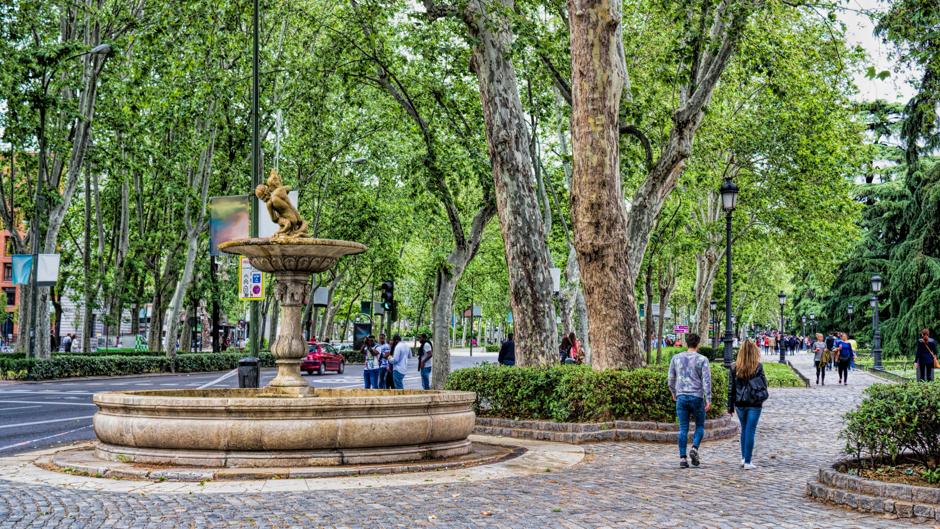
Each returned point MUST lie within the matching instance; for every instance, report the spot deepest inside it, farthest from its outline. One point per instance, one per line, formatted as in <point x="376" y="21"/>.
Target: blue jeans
<point x="426" y="377"/>
<point x="748" y="418"/>
<point x="686" y="406"/>
<point x="380" y="375"/>
<point x="399" y="379"/>
<point x="371" y="378"/>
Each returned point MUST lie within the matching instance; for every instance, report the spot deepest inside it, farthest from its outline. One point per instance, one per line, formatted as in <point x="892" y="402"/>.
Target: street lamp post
<point x="804" y="328"/>
<point x="713" y="305"/>
<point x="812" y="324"/>
<point x="851" y="317"/>
<point x="876" y="331"/>
<point x="783" y="301"/>
<point x="729" y="199"/>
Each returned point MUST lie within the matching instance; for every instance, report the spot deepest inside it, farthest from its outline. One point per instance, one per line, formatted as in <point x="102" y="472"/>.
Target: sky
<point x="860" y="31"/>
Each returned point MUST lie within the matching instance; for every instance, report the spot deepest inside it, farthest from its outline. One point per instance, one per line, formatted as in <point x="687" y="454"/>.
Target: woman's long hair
<point x="748" y="360"/>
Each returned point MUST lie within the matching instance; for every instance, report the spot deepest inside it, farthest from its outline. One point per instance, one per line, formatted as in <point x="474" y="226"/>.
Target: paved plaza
<point x="616" y="485"/>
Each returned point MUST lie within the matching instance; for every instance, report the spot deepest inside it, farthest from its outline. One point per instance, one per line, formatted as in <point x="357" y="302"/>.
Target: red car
<point x="322" y="357"/>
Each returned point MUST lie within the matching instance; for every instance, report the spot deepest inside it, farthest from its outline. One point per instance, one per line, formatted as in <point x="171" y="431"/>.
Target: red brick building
<point x="7" y="319"/>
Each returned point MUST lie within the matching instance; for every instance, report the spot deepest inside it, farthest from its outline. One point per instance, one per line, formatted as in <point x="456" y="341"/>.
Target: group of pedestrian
<point x="570" y="351"/>
<point x="836" y="350"/>
<point x="690" y="383"/>
<point x="386" y="364"/>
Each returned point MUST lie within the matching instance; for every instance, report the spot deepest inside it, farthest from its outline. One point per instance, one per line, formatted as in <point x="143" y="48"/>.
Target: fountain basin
<point x="261" y="427"/>
<point x="306" y="255"/>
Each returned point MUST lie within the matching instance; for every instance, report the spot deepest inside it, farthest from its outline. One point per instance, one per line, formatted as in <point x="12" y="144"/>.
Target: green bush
<point x="64" y="366"/>
<point x="782" y="376"/>
<point x="574" y="393"/>
<point x="492" y="347"/>
<point x="353" y="356"/>
<point x="896" y="420"/>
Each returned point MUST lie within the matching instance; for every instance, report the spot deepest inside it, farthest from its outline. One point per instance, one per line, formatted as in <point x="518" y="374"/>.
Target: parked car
<point x="322" y="357"/>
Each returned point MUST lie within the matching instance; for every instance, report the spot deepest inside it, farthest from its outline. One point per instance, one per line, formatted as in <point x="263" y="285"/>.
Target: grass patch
<point x="782" y="376"/>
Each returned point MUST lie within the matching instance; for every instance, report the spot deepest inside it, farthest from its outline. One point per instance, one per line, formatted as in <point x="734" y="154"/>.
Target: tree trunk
<point x="648" y="298"/>
<point x="519" y="211"/>
<point x="275" y="316"/>
<point x="597" y="207"/>
<point x="667" y="283"/>
<point x="186" y="334"/>
<point x="176" y="302"/>
<point x="442" y="305"/>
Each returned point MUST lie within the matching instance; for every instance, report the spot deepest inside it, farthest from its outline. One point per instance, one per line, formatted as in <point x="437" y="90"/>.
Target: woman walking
<point x="926" y="357"/>
<point x="747" y="391"/>
<point x="843" y="351"/>
<point x="820" y="358"/>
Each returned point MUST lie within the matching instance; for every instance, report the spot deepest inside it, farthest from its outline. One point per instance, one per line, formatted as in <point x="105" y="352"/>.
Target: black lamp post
<point x="851" y="317"/>
<point x="812" y="324"/>
<point x="713" y="305"/>
<point x="783" y="352"/>
<point x="804" y="330"/>
<point x="876" y="331"/>
<point x="729" y="199"/>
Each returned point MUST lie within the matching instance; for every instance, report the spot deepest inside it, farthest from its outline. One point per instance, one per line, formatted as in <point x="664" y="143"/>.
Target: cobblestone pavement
<point x="618" y="485"/>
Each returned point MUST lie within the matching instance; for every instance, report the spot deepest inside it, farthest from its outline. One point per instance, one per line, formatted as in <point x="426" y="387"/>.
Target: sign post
<point x="251" y="283"/>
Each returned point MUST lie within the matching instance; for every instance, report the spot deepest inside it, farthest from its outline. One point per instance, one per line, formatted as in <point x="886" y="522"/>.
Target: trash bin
<point x="249" y="373"/>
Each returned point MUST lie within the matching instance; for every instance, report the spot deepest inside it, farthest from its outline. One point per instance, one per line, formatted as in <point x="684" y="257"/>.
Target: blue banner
<point x="22" y="267"/>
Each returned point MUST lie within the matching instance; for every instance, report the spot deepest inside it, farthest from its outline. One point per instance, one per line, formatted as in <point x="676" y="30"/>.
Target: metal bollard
<point x="249" y="373"/>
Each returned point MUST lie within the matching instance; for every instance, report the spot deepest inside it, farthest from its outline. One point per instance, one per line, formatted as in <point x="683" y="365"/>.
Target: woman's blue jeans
<point x="748" y="418"/>
<point x="690" y="406"/>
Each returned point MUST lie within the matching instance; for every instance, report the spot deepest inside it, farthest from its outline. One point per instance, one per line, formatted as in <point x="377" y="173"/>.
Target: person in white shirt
<point x="399" y="361"/>
<point x="425" y="354"/>
<point x="385" y="351"/>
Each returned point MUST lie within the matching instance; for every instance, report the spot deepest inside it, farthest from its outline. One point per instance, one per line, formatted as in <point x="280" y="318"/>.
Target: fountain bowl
<point x="242" y="428"/>
<point x="300" y="254"/>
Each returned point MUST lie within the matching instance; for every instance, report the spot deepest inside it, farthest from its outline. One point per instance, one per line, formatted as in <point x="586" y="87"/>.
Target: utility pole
<point x="255" y="309"/>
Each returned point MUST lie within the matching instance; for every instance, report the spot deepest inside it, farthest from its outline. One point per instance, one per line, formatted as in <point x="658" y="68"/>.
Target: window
<point x="8" y="271"/>
<point x="8" y="245"/>
<point x="11" y="296"/>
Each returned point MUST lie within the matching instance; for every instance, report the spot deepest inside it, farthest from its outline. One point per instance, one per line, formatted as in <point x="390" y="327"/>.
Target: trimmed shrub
<point x="573" y="393"/>
<point x="895" y="421"/>
<point x="64" y="366"/>
<point x="492" y="347"/>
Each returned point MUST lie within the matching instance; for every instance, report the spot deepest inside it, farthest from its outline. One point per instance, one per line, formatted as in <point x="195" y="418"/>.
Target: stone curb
<point x="870" y="496"/>
<point x="798" y="373"/>
<point x="724" y="427"/>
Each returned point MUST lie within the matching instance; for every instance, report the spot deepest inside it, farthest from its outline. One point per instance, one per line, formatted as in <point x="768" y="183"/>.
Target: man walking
<point x="507" y="352"/>
<point x="384" y="350"/>
<point x="690" y="382"/>
<point x="425" y="354"/>
<point x="399" y="361"/>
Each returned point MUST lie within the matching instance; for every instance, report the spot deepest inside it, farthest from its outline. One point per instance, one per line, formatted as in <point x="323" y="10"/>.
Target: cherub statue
<point x="274" y="195"/>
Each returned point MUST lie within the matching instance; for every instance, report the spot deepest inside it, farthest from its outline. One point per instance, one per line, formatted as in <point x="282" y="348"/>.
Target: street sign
<point x="251" y="286"/>
<point x="681" y="329"/>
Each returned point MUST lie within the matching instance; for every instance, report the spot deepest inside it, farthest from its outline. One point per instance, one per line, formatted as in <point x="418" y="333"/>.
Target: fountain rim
<point x="176" y="398"/>
<point x="352" y="247"/>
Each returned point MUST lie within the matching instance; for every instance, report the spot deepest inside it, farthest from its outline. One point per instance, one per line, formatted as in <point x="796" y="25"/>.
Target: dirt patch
<point x="906" y="473"/>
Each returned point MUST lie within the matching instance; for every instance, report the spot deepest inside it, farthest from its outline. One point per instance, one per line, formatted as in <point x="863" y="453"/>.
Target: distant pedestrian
<point x="507" y="352"/>
<point x="747" y="391"/>
<point x="384" y="351"/>
<point x="926" y="357"/>
<point x="425" y="354"/>
<point x="575" y="352"/>
<point x="843" y="352"/>
<point x="67" y="343"/>
<point x="564" y="350"/>
<point x="690" y="382"/>
<point x="821" y="357"/>
<point x="370" y="373"/>
<point x="399" y="361"/>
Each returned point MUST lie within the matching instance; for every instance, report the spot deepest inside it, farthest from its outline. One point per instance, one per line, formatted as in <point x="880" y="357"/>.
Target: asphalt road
<point x="36" y="415"/>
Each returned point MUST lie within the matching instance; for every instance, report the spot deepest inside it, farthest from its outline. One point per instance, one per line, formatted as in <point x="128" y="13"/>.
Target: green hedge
<point x="782" y="376"/>
<point x="63" y="366"/>
<point x="894" y="421"/>
<point x="574" y="393"/>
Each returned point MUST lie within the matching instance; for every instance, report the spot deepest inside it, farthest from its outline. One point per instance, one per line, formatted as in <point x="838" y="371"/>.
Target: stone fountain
<point x="288" y="423"/>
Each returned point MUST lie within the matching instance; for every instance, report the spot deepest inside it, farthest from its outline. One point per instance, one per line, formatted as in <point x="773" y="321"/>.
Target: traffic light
<point x="388" y="294"/>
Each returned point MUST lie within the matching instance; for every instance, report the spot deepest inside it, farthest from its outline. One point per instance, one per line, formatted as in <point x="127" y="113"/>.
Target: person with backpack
<point x="747" y="391"/>
<point x="843" y="352"/>
<point x="425" y="354"/>
<point x="690" y="382"/>
<point x="926" y="358"/>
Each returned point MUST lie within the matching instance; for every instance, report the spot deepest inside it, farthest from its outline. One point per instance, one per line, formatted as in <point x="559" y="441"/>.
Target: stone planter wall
<point x="578" y="433"/>
<point x="865" y="495"/>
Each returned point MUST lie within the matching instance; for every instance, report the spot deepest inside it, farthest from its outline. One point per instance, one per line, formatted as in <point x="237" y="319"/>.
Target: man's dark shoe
<point x="693" y="454"/>
<point x="683" y="463"/>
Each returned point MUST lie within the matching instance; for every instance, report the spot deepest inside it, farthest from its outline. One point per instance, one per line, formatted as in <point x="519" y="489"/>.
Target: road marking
<point x="46" y="402"/>
<point x="220" y="379"/>
<point x="45" y="392"/>
<point x="2" y="448"/>
<point x="50" y="421"/>
<point x="144" y="384"/>
<point x="19" y="408"/>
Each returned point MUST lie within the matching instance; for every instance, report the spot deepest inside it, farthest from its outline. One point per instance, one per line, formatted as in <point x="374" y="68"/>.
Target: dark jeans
<point x="820" y="371"/>
<point x="690" y="406"/>
<point x="925" y="372"/>
<point x="370" y="378"/>
<point x="748" y="418"/>
<point x="426" y="377"/>
<point x="843" y="370"/>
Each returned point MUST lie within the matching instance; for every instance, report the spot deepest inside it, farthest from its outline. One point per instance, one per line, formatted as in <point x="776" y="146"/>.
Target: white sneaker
<point x="742" y="463"/>
<point x="750" y="466"/>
